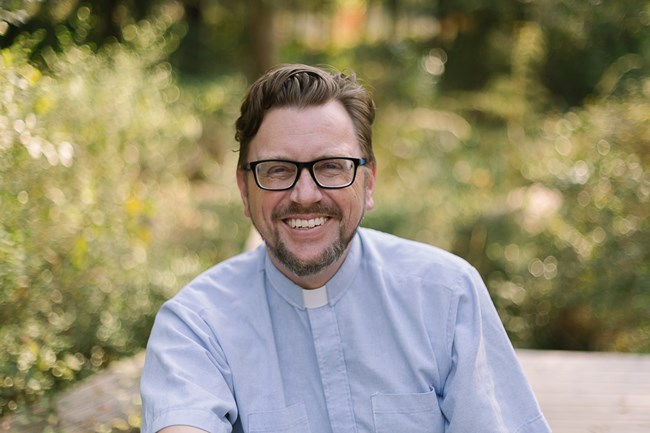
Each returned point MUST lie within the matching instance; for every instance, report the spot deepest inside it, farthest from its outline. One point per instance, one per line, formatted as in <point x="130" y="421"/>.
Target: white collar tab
<point x="315" y="298"/>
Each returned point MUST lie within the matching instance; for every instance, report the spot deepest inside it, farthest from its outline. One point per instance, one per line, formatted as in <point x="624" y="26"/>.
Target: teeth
<point x="306" y="224"/>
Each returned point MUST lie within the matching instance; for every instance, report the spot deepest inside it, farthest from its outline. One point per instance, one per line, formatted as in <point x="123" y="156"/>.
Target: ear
<point x="243" y="190"/>
<point x="371" y="173"/>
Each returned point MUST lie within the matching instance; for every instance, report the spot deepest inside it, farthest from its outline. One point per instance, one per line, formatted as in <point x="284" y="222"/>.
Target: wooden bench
<point x="579" y="392"/>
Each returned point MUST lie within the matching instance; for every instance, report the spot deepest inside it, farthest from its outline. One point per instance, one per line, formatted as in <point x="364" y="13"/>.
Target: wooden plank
<point x="587" y="392"/>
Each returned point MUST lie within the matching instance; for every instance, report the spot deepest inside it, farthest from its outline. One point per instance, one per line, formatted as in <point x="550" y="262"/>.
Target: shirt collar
<point x="336" y="286"/>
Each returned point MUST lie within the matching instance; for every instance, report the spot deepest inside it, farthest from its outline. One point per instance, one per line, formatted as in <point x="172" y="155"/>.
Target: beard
<point x="303" y="268"/>
<point x="327" y="257"/>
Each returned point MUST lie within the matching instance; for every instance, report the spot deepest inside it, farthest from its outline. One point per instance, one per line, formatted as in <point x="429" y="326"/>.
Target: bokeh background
<point x="515" y="133"/>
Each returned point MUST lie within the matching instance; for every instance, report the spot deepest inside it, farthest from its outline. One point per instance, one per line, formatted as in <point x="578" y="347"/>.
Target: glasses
<point x="328" y="173"/>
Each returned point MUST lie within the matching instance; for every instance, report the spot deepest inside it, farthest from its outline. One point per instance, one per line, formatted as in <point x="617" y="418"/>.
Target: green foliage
<point x="590" y="260"/>
<point x="586" y="38"/>
<point x="93" y="195"/>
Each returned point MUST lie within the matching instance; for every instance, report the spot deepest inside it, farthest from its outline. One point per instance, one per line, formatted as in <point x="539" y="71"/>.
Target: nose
<point x="305" y="191"/>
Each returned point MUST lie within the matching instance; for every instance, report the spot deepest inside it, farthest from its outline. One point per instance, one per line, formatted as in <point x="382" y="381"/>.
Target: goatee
<point x="330" y="255"/>
<point x="305" y="268"/>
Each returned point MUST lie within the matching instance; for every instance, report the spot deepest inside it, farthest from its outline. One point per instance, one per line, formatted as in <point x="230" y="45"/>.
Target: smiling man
<point x="328" y="327"/>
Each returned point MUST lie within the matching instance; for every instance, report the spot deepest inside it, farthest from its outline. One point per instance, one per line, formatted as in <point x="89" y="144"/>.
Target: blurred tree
<point x="584" y="39"/>
<point x="103" y="20"/>
<point x="93" y="149"/>
<point x="227" y="37"/>
<point x="564" y="243"/>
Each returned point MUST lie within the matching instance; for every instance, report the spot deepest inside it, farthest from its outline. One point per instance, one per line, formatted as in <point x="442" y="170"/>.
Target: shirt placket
<point x="333" y="372"/>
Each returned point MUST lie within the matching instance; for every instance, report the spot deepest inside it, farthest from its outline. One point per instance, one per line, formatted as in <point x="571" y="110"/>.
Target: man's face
<point x="307" y="229"/>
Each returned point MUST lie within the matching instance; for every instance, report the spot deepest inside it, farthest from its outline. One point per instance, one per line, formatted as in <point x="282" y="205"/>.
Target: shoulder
<point x="432" y="267"/>
<point x="229" y="281"/>
<point x="409" y="255"/>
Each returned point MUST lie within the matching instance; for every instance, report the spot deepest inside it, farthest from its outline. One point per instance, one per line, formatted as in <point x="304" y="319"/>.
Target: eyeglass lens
<point x="332" y="173"/>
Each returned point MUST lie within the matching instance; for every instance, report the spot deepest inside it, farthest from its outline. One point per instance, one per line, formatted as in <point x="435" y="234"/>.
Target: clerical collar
<point x="315" y="298"/>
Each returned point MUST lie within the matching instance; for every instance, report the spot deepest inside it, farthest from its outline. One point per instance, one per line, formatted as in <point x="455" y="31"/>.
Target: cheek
<point x="355" y="204"/>
<point x="263" y="205"/>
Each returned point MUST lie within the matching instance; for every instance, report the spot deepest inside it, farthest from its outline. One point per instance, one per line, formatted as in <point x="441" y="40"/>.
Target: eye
<point x="332" y="167"/>
<point x="276" y="170"/>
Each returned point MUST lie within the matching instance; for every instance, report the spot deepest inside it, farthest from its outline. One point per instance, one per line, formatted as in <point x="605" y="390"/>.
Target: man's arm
<point x="486" y="389"/>
<point x="186" y="380"/>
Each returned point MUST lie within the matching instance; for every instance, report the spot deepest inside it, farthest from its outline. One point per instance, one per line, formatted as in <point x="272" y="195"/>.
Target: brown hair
<point x="304" y="86"/>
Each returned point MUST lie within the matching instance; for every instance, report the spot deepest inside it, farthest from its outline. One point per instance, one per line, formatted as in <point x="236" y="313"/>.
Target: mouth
<point x="306" y="224"/>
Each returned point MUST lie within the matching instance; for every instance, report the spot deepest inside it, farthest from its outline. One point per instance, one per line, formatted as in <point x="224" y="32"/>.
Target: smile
<point x="306" y="224"/>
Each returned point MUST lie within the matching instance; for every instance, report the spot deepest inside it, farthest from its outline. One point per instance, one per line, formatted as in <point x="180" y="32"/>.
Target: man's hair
<point x="305" y="86"/>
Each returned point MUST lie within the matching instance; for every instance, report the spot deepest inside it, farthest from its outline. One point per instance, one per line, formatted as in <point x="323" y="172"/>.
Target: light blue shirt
<point x="405" y="341"/>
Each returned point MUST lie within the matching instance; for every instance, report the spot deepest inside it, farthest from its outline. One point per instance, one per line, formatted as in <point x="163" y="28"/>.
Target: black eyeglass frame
<point x="309" y="166"/>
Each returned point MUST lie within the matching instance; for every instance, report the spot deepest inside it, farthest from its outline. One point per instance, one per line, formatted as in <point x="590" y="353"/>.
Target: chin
<point x="312" y="265"/>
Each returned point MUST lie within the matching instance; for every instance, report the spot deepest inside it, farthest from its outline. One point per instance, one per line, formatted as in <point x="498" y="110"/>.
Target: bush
<point x="97" y="216"/>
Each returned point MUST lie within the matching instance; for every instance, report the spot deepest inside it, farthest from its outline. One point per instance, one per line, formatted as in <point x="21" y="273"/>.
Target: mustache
<point x="295" y="209"/>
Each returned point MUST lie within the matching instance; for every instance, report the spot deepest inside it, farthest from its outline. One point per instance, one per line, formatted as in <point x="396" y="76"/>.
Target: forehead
<point x="305" y="133"/>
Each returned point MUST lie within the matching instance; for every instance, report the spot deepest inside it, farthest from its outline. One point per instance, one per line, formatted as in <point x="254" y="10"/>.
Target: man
<point x="327" y="327"/>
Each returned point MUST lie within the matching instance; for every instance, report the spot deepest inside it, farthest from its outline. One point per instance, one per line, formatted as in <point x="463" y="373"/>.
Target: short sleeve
<point x="486" y="389"/>
<point x="186" y="379"/>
